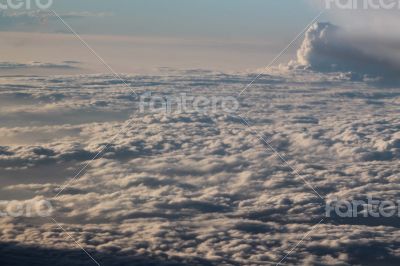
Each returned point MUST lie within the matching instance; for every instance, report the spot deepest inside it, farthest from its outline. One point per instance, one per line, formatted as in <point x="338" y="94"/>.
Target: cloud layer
<point x="194" y="188"/>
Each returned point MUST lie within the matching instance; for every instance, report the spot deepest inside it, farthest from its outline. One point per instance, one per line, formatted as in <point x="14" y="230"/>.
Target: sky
<point x="208" y="18"/>
<point x="144" y="35"/>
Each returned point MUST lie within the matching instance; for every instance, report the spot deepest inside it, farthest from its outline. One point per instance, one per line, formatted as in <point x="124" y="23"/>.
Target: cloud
<point x="62" y="65"/>
<point x="193" y="188"/>
<point x="329" y="48"/>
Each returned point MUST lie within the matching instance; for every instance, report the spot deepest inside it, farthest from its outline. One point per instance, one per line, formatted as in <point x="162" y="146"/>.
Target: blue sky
<point x="222" y="18"/>
<point x="134" y="35"/>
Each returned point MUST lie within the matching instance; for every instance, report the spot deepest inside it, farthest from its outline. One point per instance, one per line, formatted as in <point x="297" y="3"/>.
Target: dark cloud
<point x="21" y="255"/>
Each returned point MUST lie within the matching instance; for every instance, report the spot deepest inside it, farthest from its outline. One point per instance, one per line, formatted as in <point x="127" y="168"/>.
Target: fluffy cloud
<point x="193" y="188"/>
<point x="329" y="48"/>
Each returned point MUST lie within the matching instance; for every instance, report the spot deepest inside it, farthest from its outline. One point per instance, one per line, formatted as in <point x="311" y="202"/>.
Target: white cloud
<point x="328" y="48"/>
<point x="199" y="188"/>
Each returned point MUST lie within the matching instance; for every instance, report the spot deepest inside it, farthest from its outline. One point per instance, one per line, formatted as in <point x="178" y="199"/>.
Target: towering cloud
<point x="328" y="48"/>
